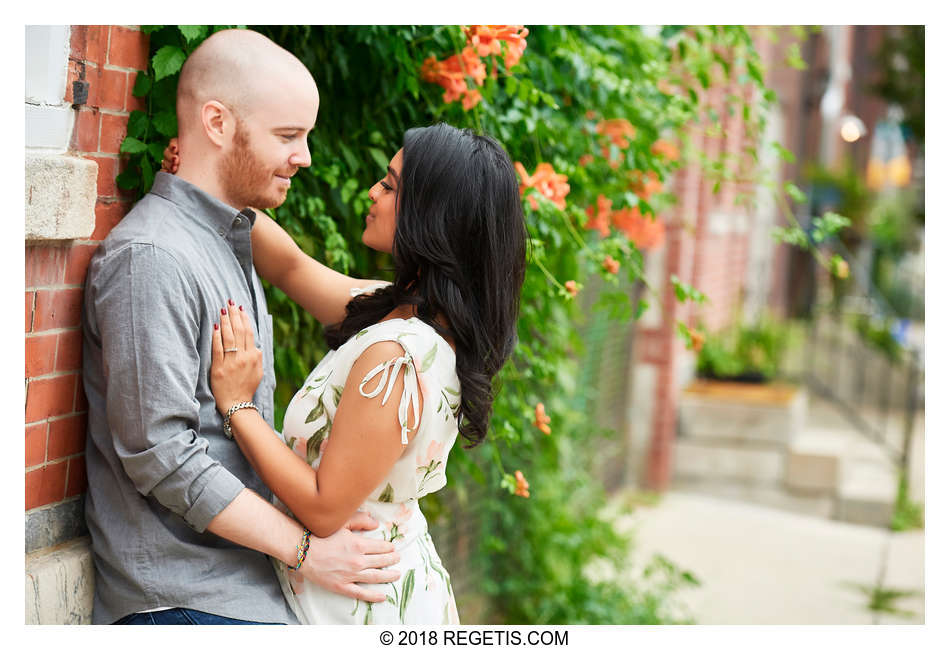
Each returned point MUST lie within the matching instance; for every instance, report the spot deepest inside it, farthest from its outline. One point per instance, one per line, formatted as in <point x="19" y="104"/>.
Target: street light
<point x="851" y="128"/>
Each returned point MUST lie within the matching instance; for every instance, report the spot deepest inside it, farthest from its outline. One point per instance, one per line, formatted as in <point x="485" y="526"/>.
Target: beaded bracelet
<point x="302" y="549"/>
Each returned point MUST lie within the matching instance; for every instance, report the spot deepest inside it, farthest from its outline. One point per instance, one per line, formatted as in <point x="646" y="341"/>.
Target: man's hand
<point x="338" y="562"/>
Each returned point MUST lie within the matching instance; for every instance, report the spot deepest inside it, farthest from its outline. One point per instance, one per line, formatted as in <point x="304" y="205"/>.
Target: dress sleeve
<point x="388" y="373"/>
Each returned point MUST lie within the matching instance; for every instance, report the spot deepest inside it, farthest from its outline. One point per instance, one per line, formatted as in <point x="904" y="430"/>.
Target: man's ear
<point x="218" y="123"/>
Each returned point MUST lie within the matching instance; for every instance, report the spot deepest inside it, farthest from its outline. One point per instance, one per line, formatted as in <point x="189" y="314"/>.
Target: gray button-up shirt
<point x="158" y="463"/>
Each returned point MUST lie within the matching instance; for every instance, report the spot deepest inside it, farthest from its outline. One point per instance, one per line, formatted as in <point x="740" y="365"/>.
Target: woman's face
<point x="381" y="220"/>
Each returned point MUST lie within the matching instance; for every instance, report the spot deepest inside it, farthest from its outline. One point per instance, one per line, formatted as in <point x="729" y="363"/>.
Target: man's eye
<point x="288" y="138"/>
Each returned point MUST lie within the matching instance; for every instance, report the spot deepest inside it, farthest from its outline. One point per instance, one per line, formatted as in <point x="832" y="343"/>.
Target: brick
<point x="50" y="397"/>
<point x="69" y="351"/>
<point x="40" y="354"/>
<point x="112" y="133"/>
<point x="111" y="89"/>
<point x="108" y="170"/>
<point x="46" y="485"/>
<point x="77" y="41"/>
<point x="36" y="444"/>
<point x="97" y="43"/>
<point x="29" y="310"/>
<point x="74" y="71"/>
<point x="108" y="214"/>
<point x="128" y="48"/>
<point x="81" y="404"/>
<point x="67" y="437"/>
<point x="77" y="262"/>
<point x="76" y="481"/>
<point x="86" y="131"/>
<point x="56" y="308"/>
<point x="45" y="265"/>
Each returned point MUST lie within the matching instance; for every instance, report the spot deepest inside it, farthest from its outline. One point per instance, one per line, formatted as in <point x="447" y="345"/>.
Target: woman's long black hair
<point x="458" y="250"/>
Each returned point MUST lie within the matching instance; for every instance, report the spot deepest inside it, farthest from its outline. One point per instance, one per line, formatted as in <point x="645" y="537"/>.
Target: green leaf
<point x="166" y="123"/>
<point x="313" y="442"/>
<point x="156" y="151"/>
<point x="167" y="61"/>
<point x="129" y="179"/>
<point x="316" y="413"/>
<point x="407" y="588"/>
<point x="785" y="154"/>
<point x="429" y="358"/>
<point x="792" y="190"/>
<point x="193" y="32"/>
<point x="148" y="174"/>
<point x="379" y="157"/>
<point x="149" y="29"/>
<point x="132" y="145"/>
<point x="337" y="394"/>
<point x="386" y="496"/>
<point x="137" y="125"/>
<point x="642" y="306"/>
<point x="143" y="84"/>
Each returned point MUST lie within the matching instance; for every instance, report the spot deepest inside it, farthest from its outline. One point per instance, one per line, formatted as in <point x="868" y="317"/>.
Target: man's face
<point x="269" y="145"/>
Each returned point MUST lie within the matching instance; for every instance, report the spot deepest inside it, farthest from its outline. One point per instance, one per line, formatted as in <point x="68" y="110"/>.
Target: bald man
<point x="181" y="526"/>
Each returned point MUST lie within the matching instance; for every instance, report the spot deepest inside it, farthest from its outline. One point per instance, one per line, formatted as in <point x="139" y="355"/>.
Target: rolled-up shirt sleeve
<point x="148" y="317"/>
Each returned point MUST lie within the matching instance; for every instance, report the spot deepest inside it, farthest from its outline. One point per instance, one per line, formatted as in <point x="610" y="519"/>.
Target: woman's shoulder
<point x="418" y="338"/>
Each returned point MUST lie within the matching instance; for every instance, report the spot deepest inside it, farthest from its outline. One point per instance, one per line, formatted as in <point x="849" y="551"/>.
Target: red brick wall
<point x="107" y="57"/>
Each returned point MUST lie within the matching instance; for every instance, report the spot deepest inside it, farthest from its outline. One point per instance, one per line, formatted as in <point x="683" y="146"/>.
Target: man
<point x="181" y="526"/>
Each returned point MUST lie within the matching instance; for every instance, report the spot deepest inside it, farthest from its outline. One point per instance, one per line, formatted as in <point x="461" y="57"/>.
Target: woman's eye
<point x="386" y="186"/>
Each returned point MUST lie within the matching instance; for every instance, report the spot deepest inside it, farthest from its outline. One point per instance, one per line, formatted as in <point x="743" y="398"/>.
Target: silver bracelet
<point x="232" y="410"/>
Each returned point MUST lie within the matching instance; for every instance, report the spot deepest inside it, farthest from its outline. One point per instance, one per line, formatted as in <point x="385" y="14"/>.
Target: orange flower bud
<point x="571" y="287"/>
<point x="522" y="485"/>
<point x="697" y="339"/>
<point x="611" y="265"/>
<point x="541" y="420"/>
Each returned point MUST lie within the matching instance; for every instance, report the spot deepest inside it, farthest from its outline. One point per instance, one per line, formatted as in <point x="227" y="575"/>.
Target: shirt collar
<point x="196" y="203"/>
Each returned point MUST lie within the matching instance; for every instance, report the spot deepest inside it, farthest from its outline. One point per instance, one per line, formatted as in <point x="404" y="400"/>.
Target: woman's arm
<point x="363" y="446"/>
<point x="323" y="292"/>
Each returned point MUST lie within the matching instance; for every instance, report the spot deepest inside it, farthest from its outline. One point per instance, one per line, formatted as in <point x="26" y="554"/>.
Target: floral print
<point x="423" y="594"/>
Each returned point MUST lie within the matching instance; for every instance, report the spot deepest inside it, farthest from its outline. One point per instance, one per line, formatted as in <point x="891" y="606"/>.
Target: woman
<point x="410" y="365"/>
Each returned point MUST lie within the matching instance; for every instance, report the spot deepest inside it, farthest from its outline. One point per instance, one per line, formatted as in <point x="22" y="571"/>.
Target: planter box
<point x="769" y="415"/>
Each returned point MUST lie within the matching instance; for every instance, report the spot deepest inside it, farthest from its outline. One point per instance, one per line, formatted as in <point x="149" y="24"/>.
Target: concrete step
<point x="716" y="460"/>
<point x="776" y="496"/>
<point x="867" y="491"/>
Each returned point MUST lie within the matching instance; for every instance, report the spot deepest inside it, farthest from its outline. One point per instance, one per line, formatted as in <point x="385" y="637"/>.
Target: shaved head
<point x="239" y="68"/>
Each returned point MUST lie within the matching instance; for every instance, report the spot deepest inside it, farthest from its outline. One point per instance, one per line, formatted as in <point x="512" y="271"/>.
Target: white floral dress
<point x="423" y="594"/>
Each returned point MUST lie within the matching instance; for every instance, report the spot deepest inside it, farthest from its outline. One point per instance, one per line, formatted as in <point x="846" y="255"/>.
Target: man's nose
<point x="301" y="157"/>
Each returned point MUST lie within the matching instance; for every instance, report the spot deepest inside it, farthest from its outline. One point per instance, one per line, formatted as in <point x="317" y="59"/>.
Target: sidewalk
<point x="760" y="565"/>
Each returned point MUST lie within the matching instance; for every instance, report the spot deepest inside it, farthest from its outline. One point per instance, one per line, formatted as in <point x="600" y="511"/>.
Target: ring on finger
<point x="232" y="350"/>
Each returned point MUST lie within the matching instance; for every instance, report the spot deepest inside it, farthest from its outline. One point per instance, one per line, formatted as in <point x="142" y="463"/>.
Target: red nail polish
<point x="230" y="302"/>
<point x="241" y="307"/>
<point x="224" y="311"/>
<point x="215" y="327"/>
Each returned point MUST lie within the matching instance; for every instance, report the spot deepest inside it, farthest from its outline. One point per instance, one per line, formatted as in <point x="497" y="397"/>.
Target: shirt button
<point x="237" y="221"/>
<point x="221" y="231"/>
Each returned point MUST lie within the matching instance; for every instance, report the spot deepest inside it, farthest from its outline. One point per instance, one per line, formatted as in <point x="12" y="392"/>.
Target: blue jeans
<point x="182" y="616"/>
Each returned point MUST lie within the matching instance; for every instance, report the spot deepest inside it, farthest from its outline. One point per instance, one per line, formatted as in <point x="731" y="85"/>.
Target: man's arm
<point x="335" y="563"/>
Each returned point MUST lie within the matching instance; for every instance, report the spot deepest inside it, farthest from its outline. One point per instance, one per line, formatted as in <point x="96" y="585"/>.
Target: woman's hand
<point x="170" y="158"/>
<point x="236" y="364"/>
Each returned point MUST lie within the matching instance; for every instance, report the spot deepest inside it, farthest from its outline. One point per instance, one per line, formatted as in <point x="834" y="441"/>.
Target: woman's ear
<point x="218" y="123"/>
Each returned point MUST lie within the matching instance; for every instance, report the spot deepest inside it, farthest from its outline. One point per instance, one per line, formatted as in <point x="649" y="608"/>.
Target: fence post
<point x="910" y="413"/>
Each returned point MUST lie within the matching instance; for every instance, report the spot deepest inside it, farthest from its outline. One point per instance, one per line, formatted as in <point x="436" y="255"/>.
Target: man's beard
<point x="245" y="179"/>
